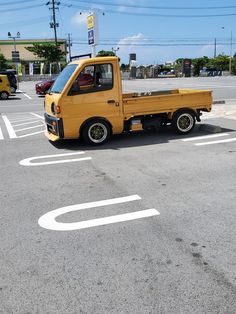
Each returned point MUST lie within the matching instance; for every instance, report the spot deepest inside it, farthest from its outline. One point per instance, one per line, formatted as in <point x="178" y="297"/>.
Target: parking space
<point x="15" y="126"/>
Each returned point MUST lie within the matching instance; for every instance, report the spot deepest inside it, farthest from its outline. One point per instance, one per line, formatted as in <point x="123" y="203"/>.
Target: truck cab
<point x="87" y="90"/>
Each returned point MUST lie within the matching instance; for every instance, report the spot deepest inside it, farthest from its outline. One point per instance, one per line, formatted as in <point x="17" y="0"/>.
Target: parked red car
<point x="42" y="87"/>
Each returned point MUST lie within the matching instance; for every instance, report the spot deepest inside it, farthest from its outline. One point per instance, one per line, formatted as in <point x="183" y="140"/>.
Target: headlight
<point x="55" y="109"/>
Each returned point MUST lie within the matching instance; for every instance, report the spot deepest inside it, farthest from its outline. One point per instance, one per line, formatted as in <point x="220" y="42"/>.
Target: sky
<point x="156" y="30"/>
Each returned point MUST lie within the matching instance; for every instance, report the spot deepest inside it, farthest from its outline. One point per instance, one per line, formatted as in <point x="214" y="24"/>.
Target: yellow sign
<point x="90" y="21"/>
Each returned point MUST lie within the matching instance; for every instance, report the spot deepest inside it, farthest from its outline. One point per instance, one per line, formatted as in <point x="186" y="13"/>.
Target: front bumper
<point x="54" y="127"/>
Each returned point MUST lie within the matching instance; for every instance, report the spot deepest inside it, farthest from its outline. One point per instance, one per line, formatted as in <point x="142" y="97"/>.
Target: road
<point x="143" y="224"/>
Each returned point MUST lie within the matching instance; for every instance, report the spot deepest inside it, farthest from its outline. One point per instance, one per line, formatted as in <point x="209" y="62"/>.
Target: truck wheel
<point x="96" y="132"/>
<point x="13" y="90"/>
<point x="4" y="95"/>
<point x="183" y="121"/>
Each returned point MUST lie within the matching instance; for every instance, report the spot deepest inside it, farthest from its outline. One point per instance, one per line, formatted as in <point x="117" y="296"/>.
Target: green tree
<point x="124" y="67"/>
<point x="199" y="63"/>
<point x="220" y="63"/>
<point x="234" y="64"/>
<point x="103" y="53"/>
<point x="178" y="65"/>
<point x="3" y="62"/>
<point x="51" y="53"/>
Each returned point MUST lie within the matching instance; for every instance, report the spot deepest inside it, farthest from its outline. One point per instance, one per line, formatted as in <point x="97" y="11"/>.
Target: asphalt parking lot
<point x="143" y="224"/>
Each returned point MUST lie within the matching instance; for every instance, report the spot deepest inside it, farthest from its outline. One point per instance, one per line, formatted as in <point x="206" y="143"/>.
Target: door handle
<point x="113" y="102"/>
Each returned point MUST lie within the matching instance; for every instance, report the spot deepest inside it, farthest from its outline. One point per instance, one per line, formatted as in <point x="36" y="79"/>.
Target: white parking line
<point x="1" y="135"/>
<point x="9" y="127"/>
<point x="25" y="135"/>
<point x="36" y="121"/>
<point x="48" y="221"/>
<point x="195" y="138"/>
<point x="24" y="94"/>
<point x="24" y="119"/>
<point x="216" y="142"/>
<point x="31" y="127"/>
<point x="37" y="115"/>
<point x="52" y="224"/>
<point x="28" y="161"/>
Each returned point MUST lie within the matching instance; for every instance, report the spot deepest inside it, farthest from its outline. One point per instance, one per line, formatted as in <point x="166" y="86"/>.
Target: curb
<point x="218" y="102"/>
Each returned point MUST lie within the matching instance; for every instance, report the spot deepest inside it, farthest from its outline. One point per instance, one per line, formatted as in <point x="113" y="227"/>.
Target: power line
<point x="156" y="44"/>
<point x="158" y="39"/>
<point x="151" y="14"/>
<point x="17" y="2"/>
<point x="125" y="5"/>
<point x="22" y="8"/>
<point x="26" y="22"/>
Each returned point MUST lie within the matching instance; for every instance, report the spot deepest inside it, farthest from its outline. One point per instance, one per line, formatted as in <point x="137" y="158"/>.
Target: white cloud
<point x="80" y="18"/>
<point x="129" y="44"/>
<point x="134" y="6"/>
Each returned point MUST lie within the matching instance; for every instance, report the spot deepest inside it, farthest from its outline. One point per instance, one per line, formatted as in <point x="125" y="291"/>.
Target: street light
<point x="115" y="50"/>
<point x="14" y="38"/>
<point x="231" y="48"/>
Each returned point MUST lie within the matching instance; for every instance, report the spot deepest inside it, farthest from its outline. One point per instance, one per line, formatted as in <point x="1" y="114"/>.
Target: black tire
<point x="4" y="95"/>
<point x="183" y="121"/>
<point x="96" y="132"/>
<point x="13" y="90"/>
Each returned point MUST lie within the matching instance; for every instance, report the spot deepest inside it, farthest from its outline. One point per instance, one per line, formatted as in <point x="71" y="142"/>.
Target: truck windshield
<point x="62" y="79"/>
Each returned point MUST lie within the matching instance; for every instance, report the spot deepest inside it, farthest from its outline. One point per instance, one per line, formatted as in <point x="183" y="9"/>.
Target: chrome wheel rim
<point x="185" y="122"/>
<point x="97" y="133"/>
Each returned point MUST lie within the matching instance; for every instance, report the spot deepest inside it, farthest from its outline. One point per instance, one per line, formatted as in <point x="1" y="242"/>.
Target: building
<point x="29" y="63"/>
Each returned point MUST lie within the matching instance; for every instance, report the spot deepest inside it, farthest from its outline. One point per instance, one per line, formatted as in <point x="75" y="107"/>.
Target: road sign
<point x="91" y="37"/>
<point x="90" y="21"/>
<point x="15" y="56"/>
<point x="92" y="25"/>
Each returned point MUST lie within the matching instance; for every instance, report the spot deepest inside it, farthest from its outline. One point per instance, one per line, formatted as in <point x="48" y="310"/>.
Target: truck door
<point x="95" y="93"/>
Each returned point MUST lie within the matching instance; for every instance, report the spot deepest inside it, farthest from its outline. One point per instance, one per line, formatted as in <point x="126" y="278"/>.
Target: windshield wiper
<point x="54" y="92"/>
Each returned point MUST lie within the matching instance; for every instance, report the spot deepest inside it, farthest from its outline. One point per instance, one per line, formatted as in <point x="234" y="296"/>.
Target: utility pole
<point x="215" y="49"/>
<point x="231" y="46"/>
<point x="54" y="6"/>
<point x="230" y="57"/>
<point x="69" y="45"/>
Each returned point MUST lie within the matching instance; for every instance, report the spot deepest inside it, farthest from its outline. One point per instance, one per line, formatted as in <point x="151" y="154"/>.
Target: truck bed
<point x="165" y="101"/>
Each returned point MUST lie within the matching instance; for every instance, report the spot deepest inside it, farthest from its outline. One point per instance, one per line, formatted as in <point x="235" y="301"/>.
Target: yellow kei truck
<point x="5" y="89"/>
<point x="86" y="101"/>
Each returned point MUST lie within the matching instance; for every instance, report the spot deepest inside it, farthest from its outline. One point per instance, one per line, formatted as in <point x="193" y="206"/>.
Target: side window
<point x="93" y="78"/>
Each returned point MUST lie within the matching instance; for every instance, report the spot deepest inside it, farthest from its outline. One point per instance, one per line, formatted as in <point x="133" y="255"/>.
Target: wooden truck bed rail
<point x="157" y="102"/>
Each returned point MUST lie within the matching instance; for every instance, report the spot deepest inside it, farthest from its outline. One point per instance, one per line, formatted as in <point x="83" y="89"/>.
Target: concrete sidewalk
<point x="227" y="110"/>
